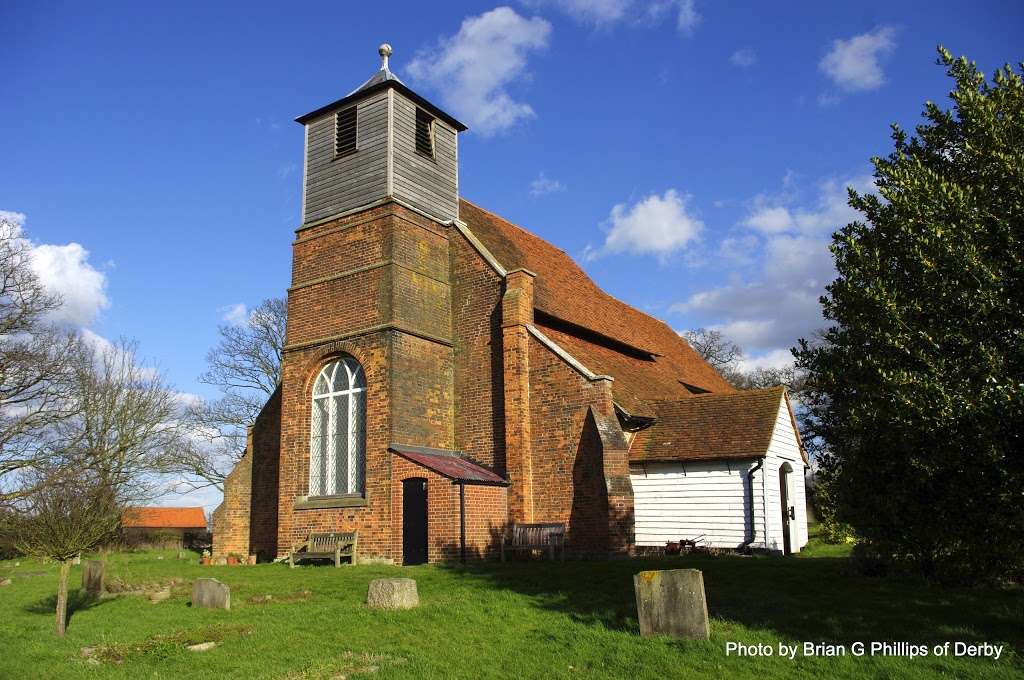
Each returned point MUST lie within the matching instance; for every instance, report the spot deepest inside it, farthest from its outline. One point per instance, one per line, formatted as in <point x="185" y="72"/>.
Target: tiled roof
<point x="710" y="427"/>
<point x="585" y="316"/>
<point x="449" y="464"/>
<point x="164" y="518"/>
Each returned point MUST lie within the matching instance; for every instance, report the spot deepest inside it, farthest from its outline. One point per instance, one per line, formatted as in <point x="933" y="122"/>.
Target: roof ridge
<point x="601" y="290"/>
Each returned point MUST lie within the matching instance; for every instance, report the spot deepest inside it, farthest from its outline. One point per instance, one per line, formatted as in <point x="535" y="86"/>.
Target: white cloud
<point x="776" y="358"/>
<point x="604" y="13"/>
<point x="594" y="12"/>
<point x="544" y="185"/>
<point x="236" y="314"/>
<point x="853" y="64"/>
<point x="744" y="57"/>
<point x="16" y="219"/>
<point x="772" y="215"/>
<point x="687" y="16"/>
<point x="767" y="310"/>
<point x="472" y="69"/>
<point x="740" y="250"/>
<point x="655" y="225"/>
<point x="65" y="270"/>
<point x="769" y="219"/>
<point x="96" y="341"/>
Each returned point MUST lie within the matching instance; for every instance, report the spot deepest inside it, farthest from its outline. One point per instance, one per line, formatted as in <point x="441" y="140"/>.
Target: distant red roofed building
<point x="166" y="527"/>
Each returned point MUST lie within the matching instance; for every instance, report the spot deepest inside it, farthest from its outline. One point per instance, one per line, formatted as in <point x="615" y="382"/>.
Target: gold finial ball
<point x="384" y="50"/>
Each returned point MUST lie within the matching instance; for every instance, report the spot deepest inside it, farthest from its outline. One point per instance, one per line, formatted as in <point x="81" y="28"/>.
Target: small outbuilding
<point x="165" y="527"/>
<point x="724" y="470"/>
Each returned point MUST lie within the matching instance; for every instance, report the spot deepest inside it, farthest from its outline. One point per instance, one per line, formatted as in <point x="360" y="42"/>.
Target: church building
<point x="447" y="373"/>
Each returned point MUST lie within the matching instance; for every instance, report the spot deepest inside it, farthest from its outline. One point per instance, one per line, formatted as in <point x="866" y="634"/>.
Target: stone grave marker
<point x="211" y="593"/>
<point x="392" y="593"/>
<point x="672" y="602"/>
<point x="93" y="575"/>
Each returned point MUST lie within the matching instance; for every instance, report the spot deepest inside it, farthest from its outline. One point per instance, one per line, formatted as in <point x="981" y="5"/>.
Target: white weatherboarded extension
<point x="710" y="500"/>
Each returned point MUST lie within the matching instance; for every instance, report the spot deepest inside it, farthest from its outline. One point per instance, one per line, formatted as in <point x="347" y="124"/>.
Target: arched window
<point x="337" y="451"/>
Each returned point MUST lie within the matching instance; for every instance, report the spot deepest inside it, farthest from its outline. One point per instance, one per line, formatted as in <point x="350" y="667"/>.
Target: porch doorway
<point x="788" y="511"/>
<point x="414" y="521"/>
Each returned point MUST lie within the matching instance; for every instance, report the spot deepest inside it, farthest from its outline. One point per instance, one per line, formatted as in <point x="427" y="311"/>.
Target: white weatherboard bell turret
<point x="380" y="141"/>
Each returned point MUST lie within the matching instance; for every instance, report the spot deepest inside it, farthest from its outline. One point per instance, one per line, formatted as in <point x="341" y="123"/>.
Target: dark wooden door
<point x="784" y="504"/>
<point x="414" y="521"/>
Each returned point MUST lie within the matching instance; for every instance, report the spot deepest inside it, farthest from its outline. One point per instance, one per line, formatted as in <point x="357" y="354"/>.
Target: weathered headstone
<point x="202" y="647"/>
<point x="160" y="595"/>
<point x="93" y="574"/>
<point x="672" y="602"/>
<point x="5" y="582"/>
<point x="392" y="593"/>
<point x="211" y="593"/>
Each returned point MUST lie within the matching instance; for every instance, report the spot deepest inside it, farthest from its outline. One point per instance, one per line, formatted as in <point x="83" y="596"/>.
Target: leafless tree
<point x="246" y="367"/>
<point x="118" y="422"/>
<point x="125" y="422"/>
<point x="64" y="516"/>
<point x="716" y="349"/>
<point x="726" y="356"/>
<point x="33" y="376"/>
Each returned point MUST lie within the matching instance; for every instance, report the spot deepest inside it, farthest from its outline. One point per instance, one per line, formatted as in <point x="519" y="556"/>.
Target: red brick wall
<point x="421" y="401"/>
<point x="266" y="452"/>
<point x="231" y="519"/>
<point x="517" y="314"/>
<point x="300" y="368"/>
<point x="479" y="393"/>
<point x="569" y="472"/>
<point x="408" y="364"/>
<point x="421" y="310"/>
<point x="486" y="512"/>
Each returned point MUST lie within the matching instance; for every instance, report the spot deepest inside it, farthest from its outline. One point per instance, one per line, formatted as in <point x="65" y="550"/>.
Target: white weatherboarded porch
<point x="676" y="500"/>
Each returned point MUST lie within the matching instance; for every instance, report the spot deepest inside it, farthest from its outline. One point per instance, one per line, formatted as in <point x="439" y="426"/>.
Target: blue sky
<point x="691" y="155"/>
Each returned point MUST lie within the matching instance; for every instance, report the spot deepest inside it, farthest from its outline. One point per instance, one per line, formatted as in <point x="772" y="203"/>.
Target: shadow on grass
<point x="810" y="599"/>
<point x="78" y="600"/>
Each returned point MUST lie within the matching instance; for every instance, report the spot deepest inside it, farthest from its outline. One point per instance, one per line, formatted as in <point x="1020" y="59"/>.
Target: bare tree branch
<point x="246" y="367"/>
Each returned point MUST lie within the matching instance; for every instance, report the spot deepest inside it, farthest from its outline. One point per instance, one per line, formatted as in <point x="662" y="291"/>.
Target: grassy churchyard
<point x="523" y="620"/>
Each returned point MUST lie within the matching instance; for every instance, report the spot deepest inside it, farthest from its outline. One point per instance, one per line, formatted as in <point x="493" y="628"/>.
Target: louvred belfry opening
<point x="345" y="128"/>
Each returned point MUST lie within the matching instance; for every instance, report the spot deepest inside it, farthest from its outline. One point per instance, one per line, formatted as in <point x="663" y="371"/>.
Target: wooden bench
<point x="548" y="536"/>
<point x="326" y="547"/>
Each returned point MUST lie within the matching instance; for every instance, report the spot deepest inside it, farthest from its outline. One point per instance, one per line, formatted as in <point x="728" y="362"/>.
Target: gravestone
<point x="211" y="593"/>
<point x="160" y="595"/>
<point x="392" y="593"/>
<point x="93" y="574"/>
<point x="672" y="602"/>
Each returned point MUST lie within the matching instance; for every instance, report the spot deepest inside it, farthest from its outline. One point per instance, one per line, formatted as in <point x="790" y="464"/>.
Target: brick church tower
<point x="371" y="288"/>
<point x="447" y="374"/>
<point x="420" y="403"/>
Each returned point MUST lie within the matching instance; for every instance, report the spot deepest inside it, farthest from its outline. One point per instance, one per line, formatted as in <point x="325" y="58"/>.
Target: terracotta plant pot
<point x="204" y="560"/>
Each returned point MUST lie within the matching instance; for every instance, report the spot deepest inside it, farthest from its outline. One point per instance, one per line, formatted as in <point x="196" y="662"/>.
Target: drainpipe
<point x="750" y="487"/>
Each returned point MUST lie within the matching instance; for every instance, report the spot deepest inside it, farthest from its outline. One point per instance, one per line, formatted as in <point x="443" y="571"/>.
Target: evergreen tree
<point x="917" y="388"/>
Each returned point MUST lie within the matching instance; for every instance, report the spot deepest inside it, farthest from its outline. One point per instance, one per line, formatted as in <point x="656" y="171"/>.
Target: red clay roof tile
<point x="584" y="318"/>
<point x="164" y="518"/>
<point x="710" y="427"/>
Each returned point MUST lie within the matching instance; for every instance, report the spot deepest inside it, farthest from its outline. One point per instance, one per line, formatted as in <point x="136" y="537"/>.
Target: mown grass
<point x="523" y="620"/>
